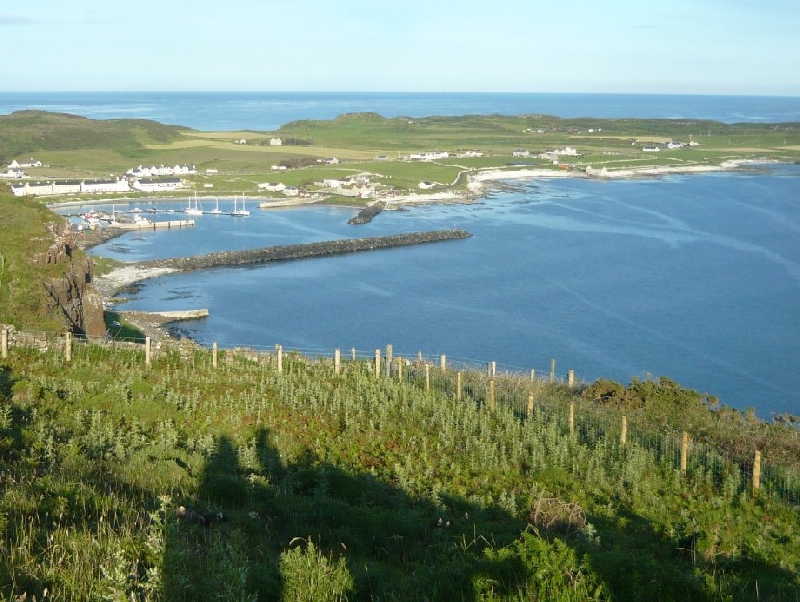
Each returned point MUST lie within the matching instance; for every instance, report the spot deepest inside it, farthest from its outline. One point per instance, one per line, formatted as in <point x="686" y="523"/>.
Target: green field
<point x="72" y="146"/>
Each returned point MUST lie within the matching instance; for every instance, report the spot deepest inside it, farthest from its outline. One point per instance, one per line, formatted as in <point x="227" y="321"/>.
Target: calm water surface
<point x="692" y="277"/>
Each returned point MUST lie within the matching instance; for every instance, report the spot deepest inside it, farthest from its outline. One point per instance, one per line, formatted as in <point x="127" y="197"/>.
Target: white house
<point x="71" y="187"/>
<point x="28" y="163"/>
<point x="331" y="161"/>
<point x="429" y="156"/>
<point x="553" y="155"/>
<point x="98" y="186"/>
<point x="160" y="170"/>
<point x="272" y="186"/>
<point x="13" y="172"/>
<point x="291" y="191"/>
<point x="157" y="184"/>
<point x="275" y="142"/>
<point x="520" y="152"/>
<point x="426" y="185"/>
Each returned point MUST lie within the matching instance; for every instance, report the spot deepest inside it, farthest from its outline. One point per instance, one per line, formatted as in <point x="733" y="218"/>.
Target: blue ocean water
<point x="692" y="277"/>
<point x="227" y="111"/>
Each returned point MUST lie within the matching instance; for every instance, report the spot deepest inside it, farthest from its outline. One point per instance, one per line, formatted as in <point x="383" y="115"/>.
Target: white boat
<point x="243" y="212"/>
<point x="194" y="210"/>
<point x="216" y="210"/>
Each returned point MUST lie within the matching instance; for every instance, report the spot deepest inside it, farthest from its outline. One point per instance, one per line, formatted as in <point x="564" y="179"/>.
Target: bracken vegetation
<point x="254" y="480"/>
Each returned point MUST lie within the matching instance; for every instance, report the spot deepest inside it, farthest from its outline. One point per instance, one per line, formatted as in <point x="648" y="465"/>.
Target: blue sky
<point x="677" y="46"/>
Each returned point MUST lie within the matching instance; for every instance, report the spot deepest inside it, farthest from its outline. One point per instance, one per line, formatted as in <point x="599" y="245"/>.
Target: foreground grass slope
<point x="307" y="484"/>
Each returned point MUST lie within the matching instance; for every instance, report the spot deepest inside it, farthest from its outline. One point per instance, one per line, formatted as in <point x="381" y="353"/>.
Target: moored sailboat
<point x="243" y="212"/>
<point x="194" y="210"/>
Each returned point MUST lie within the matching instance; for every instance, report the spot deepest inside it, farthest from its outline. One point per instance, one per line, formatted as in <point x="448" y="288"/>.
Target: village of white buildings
<point x="165" y="178"/>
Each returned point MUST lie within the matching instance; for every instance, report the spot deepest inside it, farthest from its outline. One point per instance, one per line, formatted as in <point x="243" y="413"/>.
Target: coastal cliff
<point x="70" y="294"/>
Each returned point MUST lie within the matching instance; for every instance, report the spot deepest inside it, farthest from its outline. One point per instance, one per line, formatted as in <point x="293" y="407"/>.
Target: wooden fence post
<point x="337" y="361"/>
<point x="68" y="347"/>
<point x="684" y="451"/>
<point x="443" y="363"/>
<point x="571" y="418"/>
<point x="400" y="369"/>
<point x="491" y="396"/>
<point x="427" y="376"/>
<point x="214" y="355"/>
<point x="492" y="369"/>
<point x="552" y="370"/>
<point x="459" y="386"/>
<point x="4" y="341"/>
<point x="353" y="351"/>
<point x="623" y="435"/>
<point x="530" y="405"/>
<point x="757" y="471"/>
<point x="147" y="350"/>
<point x="279" y="353"/>
<point x="533" y="374"/>
<point x="377" y="363"/>
<point x="571" y="378"/>
<point x="389" y="354"/>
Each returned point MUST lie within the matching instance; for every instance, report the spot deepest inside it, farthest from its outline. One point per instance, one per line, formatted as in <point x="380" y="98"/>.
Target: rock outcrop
<point x="72" y="294"/>
<point x="367" y="213"/>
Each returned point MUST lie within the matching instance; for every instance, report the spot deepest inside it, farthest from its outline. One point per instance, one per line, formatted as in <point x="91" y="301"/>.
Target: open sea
<point x="693" y="277"/>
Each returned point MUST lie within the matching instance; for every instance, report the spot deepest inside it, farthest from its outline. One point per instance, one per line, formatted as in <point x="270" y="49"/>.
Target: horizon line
<point x="438" y="92"/>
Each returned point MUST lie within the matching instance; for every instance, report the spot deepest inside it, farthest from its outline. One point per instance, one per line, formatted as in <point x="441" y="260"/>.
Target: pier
<point x="187" y="223"/>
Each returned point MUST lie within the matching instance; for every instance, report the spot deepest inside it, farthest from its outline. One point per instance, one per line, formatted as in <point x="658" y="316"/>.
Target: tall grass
<point x="361" y="487"/>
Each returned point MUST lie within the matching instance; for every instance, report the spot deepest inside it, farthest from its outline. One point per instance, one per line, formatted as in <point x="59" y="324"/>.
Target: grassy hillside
<point x="181" y="481"/>
<point x="501" y="134"/>
<point x="23" y="233"/>
<point x="30" y="132"/>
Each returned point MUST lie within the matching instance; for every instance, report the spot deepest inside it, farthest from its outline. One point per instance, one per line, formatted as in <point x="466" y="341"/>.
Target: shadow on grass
<point x="393" y="546"/>
<point x="355" y="531"/>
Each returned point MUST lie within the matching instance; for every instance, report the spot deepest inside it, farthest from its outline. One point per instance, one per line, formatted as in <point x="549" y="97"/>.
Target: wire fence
<point x="527" y="393"/>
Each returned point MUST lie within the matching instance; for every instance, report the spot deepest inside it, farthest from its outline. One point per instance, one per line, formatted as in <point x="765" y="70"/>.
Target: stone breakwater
<point x="304" y="251"/>
<point x="108" y="285"/>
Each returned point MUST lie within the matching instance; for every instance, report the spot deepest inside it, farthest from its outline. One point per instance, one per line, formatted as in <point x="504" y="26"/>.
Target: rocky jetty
<point x="304" y="251"/>
<point x="367" y="213"/>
